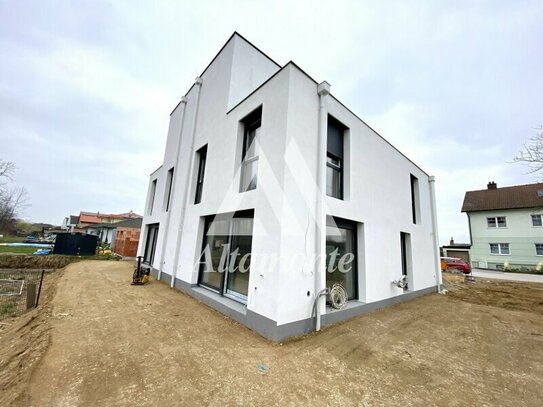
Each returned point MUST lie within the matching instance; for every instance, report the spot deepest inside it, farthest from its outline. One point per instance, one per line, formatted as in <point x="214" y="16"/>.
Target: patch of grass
<point x="12" y="239"/>
<point x="18" y="249"/>
<point x="7" y="309"/>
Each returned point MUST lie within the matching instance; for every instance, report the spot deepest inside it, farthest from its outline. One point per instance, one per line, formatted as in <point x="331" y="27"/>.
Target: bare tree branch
<point x="12" y="200"/>
<point x="532" y="155"/>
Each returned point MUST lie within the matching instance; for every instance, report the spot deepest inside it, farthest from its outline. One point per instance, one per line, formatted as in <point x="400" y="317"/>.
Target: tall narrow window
<point x="202" y="155"/>
<point x="334" y="158"/>
<point x="150" y="243"/>
<point x="151" y="202"/>
<point x="168" y="191"/>
<point x="415" y="205"/>
<point x="251" y="146"/>
<point x="405" y="247"/>
<point x="341" y="255"/>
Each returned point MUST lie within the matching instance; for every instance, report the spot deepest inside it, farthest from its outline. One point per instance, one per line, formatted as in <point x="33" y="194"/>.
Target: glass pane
<point x="240" y="260"/>
<point x="212" y="253"/>
<point x="539" y="249"/>
<point x="249" y="175"/>
<point x="341" y="259"/>
<point x="251" y="143"/>
<point x="493" y="248"/>
<point x="504" y="248"/>
<point x="501" y="221"/>
<point x="333" y="182"/>
<point x="536" y="220"/>
<point x="491" y="222"/>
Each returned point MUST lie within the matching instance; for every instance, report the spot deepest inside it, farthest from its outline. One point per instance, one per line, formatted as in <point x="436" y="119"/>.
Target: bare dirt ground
<point x="116" y="344"/>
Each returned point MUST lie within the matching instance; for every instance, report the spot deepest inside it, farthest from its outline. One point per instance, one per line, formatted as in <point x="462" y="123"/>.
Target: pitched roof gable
<point x="515" y="197"/>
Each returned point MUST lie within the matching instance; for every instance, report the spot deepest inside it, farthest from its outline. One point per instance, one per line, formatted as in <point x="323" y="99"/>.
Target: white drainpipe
<point x="172" y="194"/>
<point x="437" y="265"/>
<point x="323" y="90"/>
<point x="188" y="178"/>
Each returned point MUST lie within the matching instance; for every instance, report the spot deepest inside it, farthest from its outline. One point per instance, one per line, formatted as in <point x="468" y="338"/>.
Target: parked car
<point x="455" y="263"/>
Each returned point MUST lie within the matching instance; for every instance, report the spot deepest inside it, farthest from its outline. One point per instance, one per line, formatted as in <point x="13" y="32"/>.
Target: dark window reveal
<point x="202" y="155"/>
<point x="150" y="244"/>
<point x="168" y="196"/>
<point x="341" y="255"/>
<point x="251" y="146"/>
<point x="334" y="158"/>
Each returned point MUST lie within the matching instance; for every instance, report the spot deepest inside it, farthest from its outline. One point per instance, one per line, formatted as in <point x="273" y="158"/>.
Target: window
<point x="536" y="220"/>
<point x="334" y="158"/>
<point x="539" y="249"/>
<point x="168" y="191"/>
<point x="225" y="260"/>
<point x="499" y="248"/>
<point x="151" y="202"/>
<point x="415" y="205"/>
<point x="496" y="222"/>
<point x="251" y="146"/>
<point x="202" y="155"/>
<point x="341" y="255"/>
<point x="150" y="243"/>
<point x="405" y="247"/>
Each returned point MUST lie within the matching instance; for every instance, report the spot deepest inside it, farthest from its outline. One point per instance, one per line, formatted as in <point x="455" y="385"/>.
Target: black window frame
<point x="150" y="248"/>
<point x="415" y="204"/>
<point x="202" y="157"/>
<point x="252" y="122"/>
<point x="169" y="186"/>
<point x="152" y="197"/>
<point x="335" y="151"/>
<point x="341" y="223"/>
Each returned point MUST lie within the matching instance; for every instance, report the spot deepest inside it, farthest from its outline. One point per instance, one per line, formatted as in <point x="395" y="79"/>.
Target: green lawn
<point x="12" y="239"/>
<point x="18" y="250"/>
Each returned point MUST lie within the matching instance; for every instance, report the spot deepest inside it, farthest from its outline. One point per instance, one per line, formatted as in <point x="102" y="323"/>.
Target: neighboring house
<point x="127" y="237"/>
<point x="70" y="223"/>
<point x="506" y="226"/>
<point x="458" y="250"/>
<point x="104" y="231"/>
<point x="271" y="190"/>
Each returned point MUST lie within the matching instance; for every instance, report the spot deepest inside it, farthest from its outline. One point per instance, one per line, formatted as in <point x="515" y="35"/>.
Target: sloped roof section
<point x="516" y="197"/>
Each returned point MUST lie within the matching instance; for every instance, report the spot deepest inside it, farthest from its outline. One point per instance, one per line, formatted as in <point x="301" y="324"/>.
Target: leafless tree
<point x="12" y="199"/>
<point x="532" y="154"/>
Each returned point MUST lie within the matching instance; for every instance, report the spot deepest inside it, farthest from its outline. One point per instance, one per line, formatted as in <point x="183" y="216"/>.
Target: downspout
<point x="323" y="90"/>
<point x="172" y="194"/>
<point x="198" y="83"/>
<point x="431" y="182"/>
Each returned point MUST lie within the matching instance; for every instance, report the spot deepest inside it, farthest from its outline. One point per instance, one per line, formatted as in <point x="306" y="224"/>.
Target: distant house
<point x="458" y="250"/>
<point x="70" y="223"/>
<point x="127" y="237"/>
<point x="506" y="226"/>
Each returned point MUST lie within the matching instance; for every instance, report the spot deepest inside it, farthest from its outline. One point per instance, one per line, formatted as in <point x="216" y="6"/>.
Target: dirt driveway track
<point x="114" y="344"/>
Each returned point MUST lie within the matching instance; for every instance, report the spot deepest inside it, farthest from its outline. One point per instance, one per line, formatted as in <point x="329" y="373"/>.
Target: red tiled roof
<point x="516" y="197"/>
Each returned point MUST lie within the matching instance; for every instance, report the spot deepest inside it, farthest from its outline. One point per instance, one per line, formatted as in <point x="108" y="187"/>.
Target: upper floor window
<point x="151" y="202"/>
<point x="415" y="204"/>
<point x="496" y="222"/>
<point x="499" y="248"/>
<point x="168" y="190"/>
<point x="539" y="249"/>
<point x="202" y="155"/>
<point x="334" y="158"/>
<point x="251" y="147"/>
<point x="536" y="220"/>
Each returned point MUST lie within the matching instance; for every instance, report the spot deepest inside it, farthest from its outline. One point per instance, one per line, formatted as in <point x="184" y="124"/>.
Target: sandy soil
<point x="122" y="345"/>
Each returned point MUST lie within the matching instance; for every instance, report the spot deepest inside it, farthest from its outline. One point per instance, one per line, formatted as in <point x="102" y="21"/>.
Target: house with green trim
<point x="506" y="226"/>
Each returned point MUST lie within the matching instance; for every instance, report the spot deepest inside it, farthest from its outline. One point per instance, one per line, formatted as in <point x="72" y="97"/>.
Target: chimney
<point x="451" y="242"/>
<point x="492" y="185"/>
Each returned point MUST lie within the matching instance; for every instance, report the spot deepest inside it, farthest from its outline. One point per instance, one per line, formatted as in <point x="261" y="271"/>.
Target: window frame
<point x="152" y="194"/>
<point x="202" y="158"/>
<point x="169" y="188"/>
<point x="252" y="122"/>
<point x="500" y="247"/>
<point x="494" y="220"/>
<point x="333" y="152"/>
<point x="537" y="216"/>
<point x="540" y="247"/>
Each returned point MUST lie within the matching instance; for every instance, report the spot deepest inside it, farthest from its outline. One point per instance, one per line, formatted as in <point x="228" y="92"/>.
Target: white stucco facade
<point x="283" y="280"/>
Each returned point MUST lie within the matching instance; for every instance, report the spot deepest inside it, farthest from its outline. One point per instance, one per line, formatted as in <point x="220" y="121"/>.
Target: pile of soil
<point x="509" y="295"/>
<point x="24" y="340"/>
<point x="52" y="261"/>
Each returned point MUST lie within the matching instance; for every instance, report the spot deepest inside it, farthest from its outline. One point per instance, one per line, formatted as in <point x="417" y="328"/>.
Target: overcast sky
<point x="86" y="87"/>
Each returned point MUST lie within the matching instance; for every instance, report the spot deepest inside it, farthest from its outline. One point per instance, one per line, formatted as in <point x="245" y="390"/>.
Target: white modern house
<point x="506" y="226"/>
<point x="271" y="191"/>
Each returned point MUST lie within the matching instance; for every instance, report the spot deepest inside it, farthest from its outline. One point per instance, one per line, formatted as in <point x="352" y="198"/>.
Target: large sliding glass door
<point x="226" y="254"/>
<point x="341" y="255"/>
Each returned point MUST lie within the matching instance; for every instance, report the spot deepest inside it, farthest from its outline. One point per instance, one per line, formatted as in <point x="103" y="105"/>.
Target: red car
<point x="455" y="263"/>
